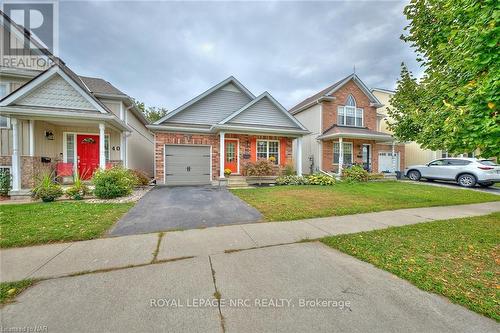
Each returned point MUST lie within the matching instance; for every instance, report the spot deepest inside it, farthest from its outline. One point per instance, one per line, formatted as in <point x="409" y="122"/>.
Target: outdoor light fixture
<point x="49" y="135"/>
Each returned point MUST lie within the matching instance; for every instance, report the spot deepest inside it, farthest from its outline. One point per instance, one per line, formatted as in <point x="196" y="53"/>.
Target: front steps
<point x="235" y="181"/>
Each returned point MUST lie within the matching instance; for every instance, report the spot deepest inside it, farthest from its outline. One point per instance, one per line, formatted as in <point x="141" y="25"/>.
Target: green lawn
<point x="39" y="223"/>
<point x="9" y="290"/>
<point x="456" y="258"/>
<point x="281" y="203"/>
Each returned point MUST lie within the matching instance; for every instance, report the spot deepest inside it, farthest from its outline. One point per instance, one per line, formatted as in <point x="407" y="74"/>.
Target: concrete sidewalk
<point x="48" y="261"/>
<point x="271" y="284"/>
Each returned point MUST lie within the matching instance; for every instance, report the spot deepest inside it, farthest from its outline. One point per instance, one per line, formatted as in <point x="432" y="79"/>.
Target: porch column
<point x="341" y="155"/>
<point x="16" y="172"/>
<point x="221" y="155"/>
<point x="123" y="149"/>
<point x="393" y="159"/>
<point x="32" y="137"/>
<point x="102" y="153"/>
<point x="298" y="160"/>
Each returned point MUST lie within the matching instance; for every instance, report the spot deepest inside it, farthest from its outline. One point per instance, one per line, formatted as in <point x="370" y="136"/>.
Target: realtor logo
<point x="39" y="18"/>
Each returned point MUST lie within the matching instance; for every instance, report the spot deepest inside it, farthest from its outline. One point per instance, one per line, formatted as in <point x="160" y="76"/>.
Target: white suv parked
<point x="466" y="172"/>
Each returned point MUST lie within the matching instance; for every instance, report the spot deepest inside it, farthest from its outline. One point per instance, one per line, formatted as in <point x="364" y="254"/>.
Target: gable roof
<point x="218" y="86"/>
<point x="328" y="91"/>
<point x="100" y="86"/>
<point x="55" y="70"/>
<point x="290" y="121"/>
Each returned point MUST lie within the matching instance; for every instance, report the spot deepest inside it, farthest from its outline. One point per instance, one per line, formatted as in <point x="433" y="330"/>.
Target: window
<point x="488" y="162"/>
<point x="3" y="90"/>
<point x="349" y="115"/>
<point x="70" y="148"/>
<point x="4" y="121"/>
<point x="439" y="163"/>
<point x="347" y="152"/>
<point x="267" y="149"/>
<point x="106" y="147"/>
<point x="458" y="162"/>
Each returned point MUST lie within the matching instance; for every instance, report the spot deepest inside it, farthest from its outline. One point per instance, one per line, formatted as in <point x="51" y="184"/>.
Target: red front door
<point x="231" y="155"/>
<point x="87" y="149"/>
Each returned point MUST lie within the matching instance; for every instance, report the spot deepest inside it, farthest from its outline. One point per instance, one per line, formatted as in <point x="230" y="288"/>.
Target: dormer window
<point x="349" y="114"/>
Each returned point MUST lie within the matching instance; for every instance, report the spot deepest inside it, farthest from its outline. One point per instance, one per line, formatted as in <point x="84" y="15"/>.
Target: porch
<point x="376" y="152"/>
<point x="31" y="146"/>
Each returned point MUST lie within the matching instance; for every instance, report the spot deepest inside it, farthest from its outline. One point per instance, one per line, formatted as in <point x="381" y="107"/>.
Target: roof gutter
<point x="164" y="128"/>
<point x="245" y="129"/>
<point x="375" y="137"/>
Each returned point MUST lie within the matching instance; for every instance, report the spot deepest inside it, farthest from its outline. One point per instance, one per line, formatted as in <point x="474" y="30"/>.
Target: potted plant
<point x="46" y="189"/>
<point x="227" y="172"/>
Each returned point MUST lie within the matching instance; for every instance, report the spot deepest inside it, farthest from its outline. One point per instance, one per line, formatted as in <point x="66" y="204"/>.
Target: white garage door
<point x="187" y="165"/>
<point x="385" y="161"/>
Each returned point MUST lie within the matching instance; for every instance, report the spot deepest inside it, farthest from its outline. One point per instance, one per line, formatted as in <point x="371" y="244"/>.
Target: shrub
<point x="292" y="180"/>
<point x="321" y="179"/>
<point x="355" y="173"/>
<point x="46" y="189"/>
<point x="79" y="189"/>
<point x="5" y="179"/>
<point x="140" y="177"/>
<point x="259" y="168"/>
<point x="288" y="170"/>
<point x="375" y="176"/>
<point x="113" y="183"/>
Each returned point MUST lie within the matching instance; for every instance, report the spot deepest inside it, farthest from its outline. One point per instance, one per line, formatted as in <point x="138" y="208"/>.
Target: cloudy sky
<point x="165" y="53"/>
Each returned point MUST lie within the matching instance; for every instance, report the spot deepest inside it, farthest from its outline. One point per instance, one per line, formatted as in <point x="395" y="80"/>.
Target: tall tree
<point x="455" y="104"/>
<point x="152" y="113"/>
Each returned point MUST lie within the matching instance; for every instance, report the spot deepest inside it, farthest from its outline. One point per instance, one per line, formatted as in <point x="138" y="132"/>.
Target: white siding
<point x="58" y="93"/>
<point x="264" y="112"/>
<point x="311" y="119"/>
<point x="213" y="108"/>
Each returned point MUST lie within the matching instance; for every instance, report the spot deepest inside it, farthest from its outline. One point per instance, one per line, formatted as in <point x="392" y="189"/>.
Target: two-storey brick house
<point x="345" y="130"/>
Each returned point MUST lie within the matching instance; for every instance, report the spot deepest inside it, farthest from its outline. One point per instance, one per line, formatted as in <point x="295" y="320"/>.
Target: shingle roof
<point x="346" y="131"/>
<point x="315" y="96"/>
<point x="100" y="86"/>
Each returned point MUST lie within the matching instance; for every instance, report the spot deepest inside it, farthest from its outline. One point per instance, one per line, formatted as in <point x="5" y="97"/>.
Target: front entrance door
<point x="231" y="155"/>
<point x="87" y="149"/>
<point x="367" y="157"/>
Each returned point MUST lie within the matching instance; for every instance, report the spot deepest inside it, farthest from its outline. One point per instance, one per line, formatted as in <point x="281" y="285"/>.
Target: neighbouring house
<point x="414" y="153"/>
<point x="345" y="130"/>
<point x="52" y="118"/>
<point x="223" y="128"/>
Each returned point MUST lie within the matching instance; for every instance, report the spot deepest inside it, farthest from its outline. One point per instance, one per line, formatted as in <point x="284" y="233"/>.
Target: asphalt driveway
<point x="186" y="207"/>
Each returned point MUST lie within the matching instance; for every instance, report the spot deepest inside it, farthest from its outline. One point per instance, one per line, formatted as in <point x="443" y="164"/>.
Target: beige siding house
<point x="51" y="118"/>
<point x="414" y="154"/>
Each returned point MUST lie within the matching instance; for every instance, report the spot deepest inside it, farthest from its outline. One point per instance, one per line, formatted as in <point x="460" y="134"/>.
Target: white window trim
<point x="267" y="150"/>
<point x="344" y="109"/>
<point x="75" y="157"/>
<point x="344" y="143"/>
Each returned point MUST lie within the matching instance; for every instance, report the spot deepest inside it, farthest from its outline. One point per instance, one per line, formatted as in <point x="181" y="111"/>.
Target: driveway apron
<point x="188" y="207"/>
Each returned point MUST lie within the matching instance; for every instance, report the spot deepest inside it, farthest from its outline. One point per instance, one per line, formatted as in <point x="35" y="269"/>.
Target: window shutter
<point x="283" y="151"/>
<point x="253" y="149"/>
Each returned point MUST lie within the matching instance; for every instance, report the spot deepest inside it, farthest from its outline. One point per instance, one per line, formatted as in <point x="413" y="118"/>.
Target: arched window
<point x="349" y="114"/>
<point x="350" y="101"/>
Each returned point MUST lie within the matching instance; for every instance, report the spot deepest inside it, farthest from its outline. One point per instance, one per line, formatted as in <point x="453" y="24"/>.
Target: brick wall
<point x="358" y="154"/>
<point x="362" y="101"/>
<point x="162" y="139"/>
